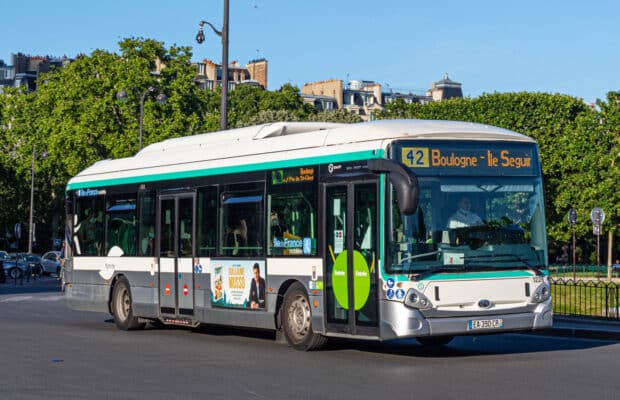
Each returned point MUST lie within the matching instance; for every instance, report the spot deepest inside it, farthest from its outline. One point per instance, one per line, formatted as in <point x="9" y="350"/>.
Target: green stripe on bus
<point x="479" y="275"/>
<point x="335" y="158"/>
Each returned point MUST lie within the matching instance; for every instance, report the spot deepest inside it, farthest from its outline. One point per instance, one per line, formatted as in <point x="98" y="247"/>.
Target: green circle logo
<point x="361" y="280"/>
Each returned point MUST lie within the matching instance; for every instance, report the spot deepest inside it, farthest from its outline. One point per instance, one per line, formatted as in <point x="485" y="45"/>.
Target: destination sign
<point x="89" y="192"/>
<point x="458" y="158"/>
<point x="292" y="175"/>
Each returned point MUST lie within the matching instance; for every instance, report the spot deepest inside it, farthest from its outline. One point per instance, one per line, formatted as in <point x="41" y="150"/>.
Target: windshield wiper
<point x="513" y="256"/>
<point x="414" y="256"/>
<point x="442" y="268"/>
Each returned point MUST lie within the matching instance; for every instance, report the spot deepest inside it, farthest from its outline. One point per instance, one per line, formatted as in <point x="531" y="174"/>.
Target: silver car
<point x="50" y="262"/>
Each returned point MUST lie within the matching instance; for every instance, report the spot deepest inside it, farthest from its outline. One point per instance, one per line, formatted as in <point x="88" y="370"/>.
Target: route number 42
<point x="415" y="157"/>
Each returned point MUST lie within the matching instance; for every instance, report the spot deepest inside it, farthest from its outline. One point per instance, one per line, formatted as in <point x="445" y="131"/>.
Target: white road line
<point x="14" y="299"/>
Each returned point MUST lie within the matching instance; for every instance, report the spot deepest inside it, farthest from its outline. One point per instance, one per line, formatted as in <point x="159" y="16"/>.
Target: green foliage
<point x="340" y="115"/>
<point x="249" y="105"/>
<point x="267" y="116"/>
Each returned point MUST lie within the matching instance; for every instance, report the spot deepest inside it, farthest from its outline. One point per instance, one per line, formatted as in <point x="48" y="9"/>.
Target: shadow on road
<point x="470" y="346"/>
<point x="462" y="346"/>
<point x="41" y="284"/>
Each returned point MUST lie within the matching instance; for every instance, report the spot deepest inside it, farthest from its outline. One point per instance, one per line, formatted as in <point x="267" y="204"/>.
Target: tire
<point x="15" y="273"/>
<point x="297" y="320"/>
<point x="434" y="341"/>
<point x="121" y="307"/>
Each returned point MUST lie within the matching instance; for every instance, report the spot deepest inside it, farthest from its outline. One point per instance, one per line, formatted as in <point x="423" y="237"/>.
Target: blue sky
<point x="570" y="47"/>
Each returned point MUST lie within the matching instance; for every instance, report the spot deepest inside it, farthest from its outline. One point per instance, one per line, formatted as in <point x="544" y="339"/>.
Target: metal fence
<point x="586" y="298"/>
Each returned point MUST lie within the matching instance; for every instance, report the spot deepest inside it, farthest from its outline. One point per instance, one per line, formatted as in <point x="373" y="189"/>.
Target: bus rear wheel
<point x="297" y="320"/>
<point x="121" y="307"/>
<point x="434" y="341"/>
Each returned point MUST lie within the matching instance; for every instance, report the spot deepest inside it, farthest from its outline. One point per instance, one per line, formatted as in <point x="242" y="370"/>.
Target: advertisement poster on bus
<point x="238" y="284"/>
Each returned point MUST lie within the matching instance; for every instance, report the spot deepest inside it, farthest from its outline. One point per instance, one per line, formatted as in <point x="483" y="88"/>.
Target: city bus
<point x="381" y="230"/>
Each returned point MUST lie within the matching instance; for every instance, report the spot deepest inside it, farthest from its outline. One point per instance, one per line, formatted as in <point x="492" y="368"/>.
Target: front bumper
<point x="400" y="321"/>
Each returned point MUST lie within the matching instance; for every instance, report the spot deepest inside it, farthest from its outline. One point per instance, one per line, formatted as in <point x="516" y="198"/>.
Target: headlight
<point x="416" y="299"/>
<point x="542" y="293"/>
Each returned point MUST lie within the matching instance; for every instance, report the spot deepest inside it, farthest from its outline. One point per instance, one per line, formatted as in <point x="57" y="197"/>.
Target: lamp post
<point x="161" y="99"/>
<point x="200" y="37"/>
<point x="30" y="224"/>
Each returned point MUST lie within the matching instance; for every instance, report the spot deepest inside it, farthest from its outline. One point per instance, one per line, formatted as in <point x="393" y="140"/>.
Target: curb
<point x="579" y="333"/>
<point x="583" y="328"/>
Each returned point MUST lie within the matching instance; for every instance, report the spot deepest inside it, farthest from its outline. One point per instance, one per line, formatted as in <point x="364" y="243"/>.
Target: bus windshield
<point x="470" y="224"/>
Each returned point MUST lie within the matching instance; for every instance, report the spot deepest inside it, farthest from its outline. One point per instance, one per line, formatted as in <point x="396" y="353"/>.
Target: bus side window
<point x="242" y="220"/>
<point x="121" y="225"/>
<point x="146" y="235"/>
<point x="206" y="228"/>
<point x="292" y="221"/>
<point x="88" y="229"/>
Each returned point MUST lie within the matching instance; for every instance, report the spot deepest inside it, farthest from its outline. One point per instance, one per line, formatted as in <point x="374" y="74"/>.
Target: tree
<point x="76" y="117"/>
<point x="250" y="104"/>
<point x="340" y="115"/>
<point x="591" y="155"/>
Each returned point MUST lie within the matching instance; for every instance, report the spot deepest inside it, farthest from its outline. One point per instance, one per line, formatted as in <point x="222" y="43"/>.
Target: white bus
<point x="380" y="230"/>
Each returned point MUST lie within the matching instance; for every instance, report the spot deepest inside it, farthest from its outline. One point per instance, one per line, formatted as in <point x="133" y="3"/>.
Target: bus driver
<point x="464" y="217"/>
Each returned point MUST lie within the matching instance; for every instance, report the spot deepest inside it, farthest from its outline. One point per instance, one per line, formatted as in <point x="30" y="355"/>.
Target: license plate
<point x="475" y="324"/>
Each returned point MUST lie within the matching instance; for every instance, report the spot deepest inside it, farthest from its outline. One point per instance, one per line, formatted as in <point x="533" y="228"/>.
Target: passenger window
<point x="241" y="222"/>
<point x="207" y="221"/>
<point x="121" y="226"/>
<point x="292" y="204"/>
<point x="88" y="220"/>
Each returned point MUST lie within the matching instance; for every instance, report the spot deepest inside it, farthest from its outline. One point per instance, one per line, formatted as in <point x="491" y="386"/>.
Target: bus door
<point x="176" y="251"/>
<point x="351" y="257"/>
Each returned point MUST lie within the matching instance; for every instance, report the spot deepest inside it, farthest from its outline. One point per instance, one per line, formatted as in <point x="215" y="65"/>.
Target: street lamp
<point x="161" y="99"/>
<point x="30" y="224"/>
<point x="200" y="37"/>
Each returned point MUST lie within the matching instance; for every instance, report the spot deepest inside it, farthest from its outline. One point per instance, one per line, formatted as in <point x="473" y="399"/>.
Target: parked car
<point x="3" y="255"/>
<point x="19" y="264"/>
<point x="50" y="262"/>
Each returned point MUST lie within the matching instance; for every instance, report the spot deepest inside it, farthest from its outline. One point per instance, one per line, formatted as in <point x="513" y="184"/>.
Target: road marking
<point x="14" y="299"/>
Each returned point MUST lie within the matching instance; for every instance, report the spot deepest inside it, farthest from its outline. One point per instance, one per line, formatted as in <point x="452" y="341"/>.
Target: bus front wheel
<point x="297" y="320"/>
<point x="121" y="307"/>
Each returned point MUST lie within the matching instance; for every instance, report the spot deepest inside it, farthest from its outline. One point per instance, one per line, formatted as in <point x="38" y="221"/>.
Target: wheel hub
<point x="300" y="316"/>
<point x="124" y="304"/>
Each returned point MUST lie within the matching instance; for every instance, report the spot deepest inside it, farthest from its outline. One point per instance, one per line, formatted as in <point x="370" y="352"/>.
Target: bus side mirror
<point x="404" y="181"/>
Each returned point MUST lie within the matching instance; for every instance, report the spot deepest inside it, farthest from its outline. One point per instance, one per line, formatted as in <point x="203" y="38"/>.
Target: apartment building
<point x="365" y="98"/>
<point x="445" y="89"/>
<point x="210" y="74"/>
<point x="24" y="70"/>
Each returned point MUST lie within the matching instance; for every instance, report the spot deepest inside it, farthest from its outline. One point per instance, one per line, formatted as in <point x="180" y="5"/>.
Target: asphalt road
<point x="48" y="351"/>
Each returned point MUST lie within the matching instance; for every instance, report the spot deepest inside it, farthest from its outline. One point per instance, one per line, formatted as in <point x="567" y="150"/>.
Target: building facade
<point x="210" y="74"/>
<point x="24" y="70"/>
<point x="365" y="98"/>
<point x="445" y="89"/>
